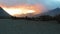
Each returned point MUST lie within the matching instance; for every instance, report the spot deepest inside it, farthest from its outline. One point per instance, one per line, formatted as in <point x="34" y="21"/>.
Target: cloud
<point x="17" y="2"/>
<point x="50" y="4"/>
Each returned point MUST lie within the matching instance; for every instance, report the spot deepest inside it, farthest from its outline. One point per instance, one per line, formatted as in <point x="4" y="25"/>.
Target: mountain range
<point x="53" y="12"/>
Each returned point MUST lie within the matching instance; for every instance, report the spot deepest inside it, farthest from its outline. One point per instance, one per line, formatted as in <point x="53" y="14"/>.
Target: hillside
<point x="53" y="12"/>
<point x="4" y="14"/>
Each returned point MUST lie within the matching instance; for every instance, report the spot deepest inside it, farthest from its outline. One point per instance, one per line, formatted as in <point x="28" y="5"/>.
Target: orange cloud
<point x="19" y="10"/>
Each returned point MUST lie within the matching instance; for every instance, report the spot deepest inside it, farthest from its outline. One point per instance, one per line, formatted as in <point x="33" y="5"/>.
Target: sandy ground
<point x="9" y="26"/>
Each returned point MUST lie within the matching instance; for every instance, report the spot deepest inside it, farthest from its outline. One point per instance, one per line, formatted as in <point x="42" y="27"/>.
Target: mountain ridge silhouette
<point x="53" y="12"/>
<point x="3" y="13"/>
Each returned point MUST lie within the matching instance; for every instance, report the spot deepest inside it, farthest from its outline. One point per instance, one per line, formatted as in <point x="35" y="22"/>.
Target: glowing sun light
<point x="13" y="11"/>
<point x="23" y="10"/>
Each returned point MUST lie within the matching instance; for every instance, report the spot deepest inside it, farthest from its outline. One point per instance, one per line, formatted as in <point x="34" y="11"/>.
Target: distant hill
<point x="3" y="13"/>
<point x="53" y="12"/>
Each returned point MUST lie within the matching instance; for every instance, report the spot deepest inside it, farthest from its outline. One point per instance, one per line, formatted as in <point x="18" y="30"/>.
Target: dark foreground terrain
<point x="9" y="26"/>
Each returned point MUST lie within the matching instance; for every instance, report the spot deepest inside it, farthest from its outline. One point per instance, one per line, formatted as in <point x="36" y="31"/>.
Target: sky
<point x="50" y="4"/>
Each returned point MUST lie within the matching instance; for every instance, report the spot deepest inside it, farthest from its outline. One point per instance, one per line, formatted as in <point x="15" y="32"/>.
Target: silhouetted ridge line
<point x="53" y="12"/>
<point x="4" y="14"/>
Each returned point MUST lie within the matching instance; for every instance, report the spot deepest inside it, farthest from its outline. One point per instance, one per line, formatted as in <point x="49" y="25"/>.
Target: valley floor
<point x="9" y="26"/>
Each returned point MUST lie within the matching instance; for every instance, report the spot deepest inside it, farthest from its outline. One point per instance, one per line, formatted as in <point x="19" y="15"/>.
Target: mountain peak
<point x="57" y="9"/>
<point x="1" y="8"/>
<point x="53" y="12"/>
<point x="3" y="13"/>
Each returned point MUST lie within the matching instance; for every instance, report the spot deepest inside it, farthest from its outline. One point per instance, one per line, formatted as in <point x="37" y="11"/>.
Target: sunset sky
<point x="37" y="6"/>
<point x="50" y="4"/>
